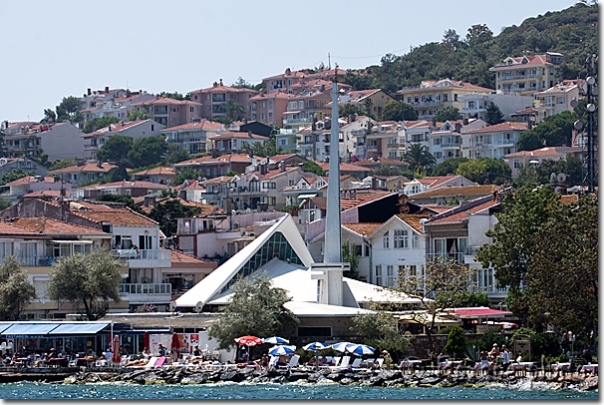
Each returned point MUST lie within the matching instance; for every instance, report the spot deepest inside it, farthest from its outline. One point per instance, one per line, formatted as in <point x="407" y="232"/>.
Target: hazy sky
<point x="54" y="49"/>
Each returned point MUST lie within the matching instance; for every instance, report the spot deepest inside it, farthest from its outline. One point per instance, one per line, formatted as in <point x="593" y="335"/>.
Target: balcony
<point x="146" y="293"/>
<point x="445" y="258"/>
<point x="520" y="77"/>
<point x="450" y="145"/>
<point x="34" y="261"/>
<point x="144" y="258"/>
<point x="358" y="132"/>
<point x="392" y="145"/>
<point x="295" y="121"/>
<point x="371" y="147"/>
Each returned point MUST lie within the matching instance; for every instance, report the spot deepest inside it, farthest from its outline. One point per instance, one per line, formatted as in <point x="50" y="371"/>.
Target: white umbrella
<point x="276" y="340"/>
<point x="281" y="350"/>
<point x="341" y="346"/>
<point x="315" y="346"/>
<point x="360" y="349"/>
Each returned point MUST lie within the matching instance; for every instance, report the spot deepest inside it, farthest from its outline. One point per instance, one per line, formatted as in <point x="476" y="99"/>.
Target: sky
<point x="54" y="49"/>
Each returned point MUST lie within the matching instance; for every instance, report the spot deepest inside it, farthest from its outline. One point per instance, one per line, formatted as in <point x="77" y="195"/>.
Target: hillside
<point x="572" y="32"/>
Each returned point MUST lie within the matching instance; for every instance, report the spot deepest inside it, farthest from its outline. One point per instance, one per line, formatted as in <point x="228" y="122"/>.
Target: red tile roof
<point x="344" y="167"/>
<point x="160" y="171"/>
<point x="504" y="126"/>
<point x="459" y="216"/>
<point x="203" y="124"/>
<point x="532" y="61"/>
<point x="118" y="216"/>
<point x="457" y="190"/>
<point x="180" y="257"/>
<point x="30" y="179"/>
<point x="434" y="181"/>
<point x="114" y="128"/>
<point x="274" y="94"/>
<point x="239" y="135"/>
<point x="235" y="157"/>
<point x="361" y="228"/>
<point x="431" y="85"/>
<point x="54" y="227"/>
<point x="128" y="184"/>
<point x="219" y="179"/>
<point x="547" y="151"/>
<point x="87" y="167"/>
<point x="414" y="221"/>
<point x="43" y="193"/>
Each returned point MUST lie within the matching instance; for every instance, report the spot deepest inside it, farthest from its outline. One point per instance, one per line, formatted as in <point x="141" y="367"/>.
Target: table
<point x="590" y="368"/>
<point x="561" y="367"/>
<point x="82" y="361"/>
<point x="522" y="366"/>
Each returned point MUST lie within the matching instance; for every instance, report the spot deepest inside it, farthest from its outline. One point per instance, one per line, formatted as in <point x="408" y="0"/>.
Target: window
<point x="516" y="163"/>
<point x="191" y="109"/>
<point x="378" y="274"/>
<point x="390" y="276"/>
<point x="415" y="241"/>
<point x="401" y="239"/>
<point x="301" y="104"/>
<point x="387" y="240"/>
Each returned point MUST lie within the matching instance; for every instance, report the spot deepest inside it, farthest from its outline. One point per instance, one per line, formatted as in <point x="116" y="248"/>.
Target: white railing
<point x="142" y="254"/>
<point x="145" y="288"/>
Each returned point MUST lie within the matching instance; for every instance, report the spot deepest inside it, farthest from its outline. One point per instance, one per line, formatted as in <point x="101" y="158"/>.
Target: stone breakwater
<point x="381" y="378"/>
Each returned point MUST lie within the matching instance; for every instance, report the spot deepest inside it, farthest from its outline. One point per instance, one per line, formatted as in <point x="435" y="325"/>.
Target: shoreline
<point x="376" y="378"/>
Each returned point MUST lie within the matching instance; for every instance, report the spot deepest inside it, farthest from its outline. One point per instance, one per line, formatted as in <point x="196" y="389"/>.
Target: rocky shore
<point x="381" y="378"/>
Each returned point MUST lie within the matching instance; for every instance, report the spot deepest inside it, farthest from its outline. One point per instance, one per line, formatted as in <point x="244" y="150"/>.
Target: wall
<point x="63" y="141"/>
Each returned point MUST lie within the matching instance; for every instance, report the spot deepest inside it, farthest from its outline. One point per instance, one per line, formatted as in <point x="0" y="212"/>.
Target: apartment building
<point x="134" y="129"/>
<point x="354" y="135"/>
<point x="32" y="184"/>
<point x="535" y="157"/>
<point x="169" y="112"/>
<point x="217" y="165"/>
<point x="527" y="75"/>
<point x="59" y="141"/>
<point x="137" y="188"/>
<point x="233" y="142"/>
<point x="431" y="95"/>
<point x="84" y="172"/>
<point x="194" y="137"/>
<point x="288" y="81"/>
<point x="27" y="165"/>
<point x="158" y="175"/>
<point x="475" y="104"/>
<point x="215" y="99"/>
<point x="557" y="99"/>
<point x="269" y="108"/>
<point x="495" y="141"/>
<point x="446" y="139"/>
<point x="111" y="103"/>
<point x="377" y="100"/>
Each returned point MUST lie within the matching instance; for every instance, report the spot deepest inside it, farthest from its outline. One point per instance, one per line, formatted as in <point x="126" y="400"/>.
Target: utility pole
<point x="328" y="61"/>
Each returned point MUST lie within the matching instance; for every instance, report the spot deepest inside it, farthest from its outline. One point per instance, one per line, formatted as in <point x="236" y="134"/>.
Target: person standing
<point x="506" y="357"/>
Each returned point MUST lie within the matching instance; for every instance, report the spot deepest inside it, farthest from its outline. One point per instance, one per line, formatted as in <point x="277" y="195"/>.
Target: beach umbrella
<point x="276" y="340"/>
<point x="248" y="341"/>
<point x="175" y="345"/>
<point x="315" y="346"/>
<point x="282" y="350"/>
<point x="360" y="349"/>
<point x="146" y="340"/>
<point x="115" y="357"/>
<point x="341" y="346"/>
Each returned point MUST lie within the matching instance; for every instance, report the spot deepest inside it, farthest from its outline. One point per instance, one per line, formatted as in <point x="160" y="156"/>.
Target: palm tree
<point x="418" y="157"/>
<point x="234" y="110"/>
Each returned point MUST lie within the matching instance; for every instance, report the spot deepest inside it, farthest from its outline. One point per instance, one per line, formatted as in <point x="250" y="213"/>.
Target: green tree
<point x="91" y="280"/>
<point x="256" y="308"/>
<point x="69" y="109"/>
<point x="234" y="110"/>
<point x="380" y="330"/>
<point x="485" y="170"/>
<point x="49" y="116"/>
<point x="168" y="212"/>
<point x="223" y="120"/>
<point x="349" y="255"/>
<point x="442" y="286"/>
<point x="395" y="111"/>
<point x="447" y="114"/>
<point x="368" y="104"/>
<point x="116" y="149"/>
<point x="242" y="84"/>
<point x="265" y="149"/>
<point x="471" y="299"/>
<point x="4" y="204"/>
<point x="346" y="110"/>
<point x="13" y="175"/>
<point x="451" y="40"/>
<point x="478" y="34"/>
<point x="310" y="166"/>
<point x="98" y="123"/>
<point x="177" y="156"/>
<point x="147" y="151"/>
<point x="562" y="271"/>
<point x="176" y="95"/>
<point x="187" y="173"/>
<point x="61" y="164"/>
<point x="494" y="115"/>
<point x="555" y="130"/>
<point x="136" y="115"/>
<point x="448" y="166"/>
<point x="16" y="292"/>
<point x="456" y="342"/>
<point x="386" y="170"/>
<point x="419" y="158"/>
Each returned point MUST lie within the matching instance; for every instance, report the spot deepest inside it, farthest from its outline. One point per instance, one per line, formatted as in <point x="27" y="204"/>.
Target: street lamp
<point x="571" y="339"/>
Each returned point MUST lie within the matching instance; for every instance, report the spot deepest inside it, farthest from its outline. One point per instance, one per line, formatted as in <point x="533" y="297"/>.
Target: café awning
<point x="29" y="330"/>
<point x="79" y="328"/>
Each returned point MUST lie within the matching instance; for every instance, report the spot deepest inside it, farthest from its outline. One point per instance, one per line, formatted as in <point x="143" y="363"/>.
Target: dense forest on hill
<point x="572" y="32"/>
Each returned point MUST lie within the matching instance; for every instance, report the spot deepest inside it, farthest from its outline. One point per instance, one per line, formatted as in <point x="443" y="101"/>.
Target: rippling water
<point x="269" y="391"/>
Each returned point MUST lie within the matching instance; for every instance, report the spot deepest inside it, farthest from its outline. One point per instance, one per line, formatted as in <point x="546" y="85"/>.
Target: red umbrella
<point x="175" y="345"/>
<point x="115" y="357"/>
<point x="146" y="340"/>
<point x="248" y="341"/>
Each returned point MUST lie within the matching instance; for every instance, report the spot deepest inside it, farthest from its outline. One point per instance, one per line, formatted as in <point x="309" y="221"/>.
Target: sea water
<point x="42" y="391"/>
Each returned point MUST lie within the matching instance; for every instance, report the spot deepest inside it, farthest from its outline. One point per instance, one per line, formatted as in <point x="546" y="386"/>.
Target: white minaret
<point x="329" y="273"/>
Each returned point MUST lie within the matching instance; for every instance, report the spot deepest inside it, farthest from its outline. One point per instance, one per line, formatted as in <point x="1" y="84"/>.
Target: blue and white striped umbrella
<point x="276" y="340"/>
<point x="315" y="346"/>
<point x="341" y="346"/>
<point x="282" y="349"/>
<point x="360" y="349"/>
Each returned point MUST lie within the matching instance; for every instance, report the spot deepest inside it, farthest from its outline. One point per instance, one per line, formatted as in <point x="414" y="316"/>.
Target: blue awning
<point x="79" y="328"/>
<point x="4" y="326"/>
<point x="29" y="330"/>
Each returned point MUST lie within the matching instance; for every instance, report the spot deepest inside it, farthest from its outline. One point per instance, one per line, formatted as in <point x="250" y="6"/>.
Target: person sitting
<point x="282" y="361"/>
<point x="264" y="361"/>
<point x="311" y="362"/>
<point x="196" y="351"/>
<point x="245" y="356"/>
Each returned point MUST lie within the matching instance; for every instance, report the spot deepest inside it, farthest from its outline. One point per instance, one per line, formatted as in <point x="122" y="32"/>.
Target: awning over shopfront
<point x="79" y="328"/>
<point x="478" y="312"/>
<point x="29" y="330"/>
<point x="4" y="326"/>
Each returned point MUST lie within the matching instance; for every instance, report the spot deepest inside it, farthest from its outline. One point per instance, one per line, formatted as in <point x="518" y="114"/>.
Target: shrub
<point x="544" y="344"/>
<point x="490" y="337"/>
<point x="456" y="343"/>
